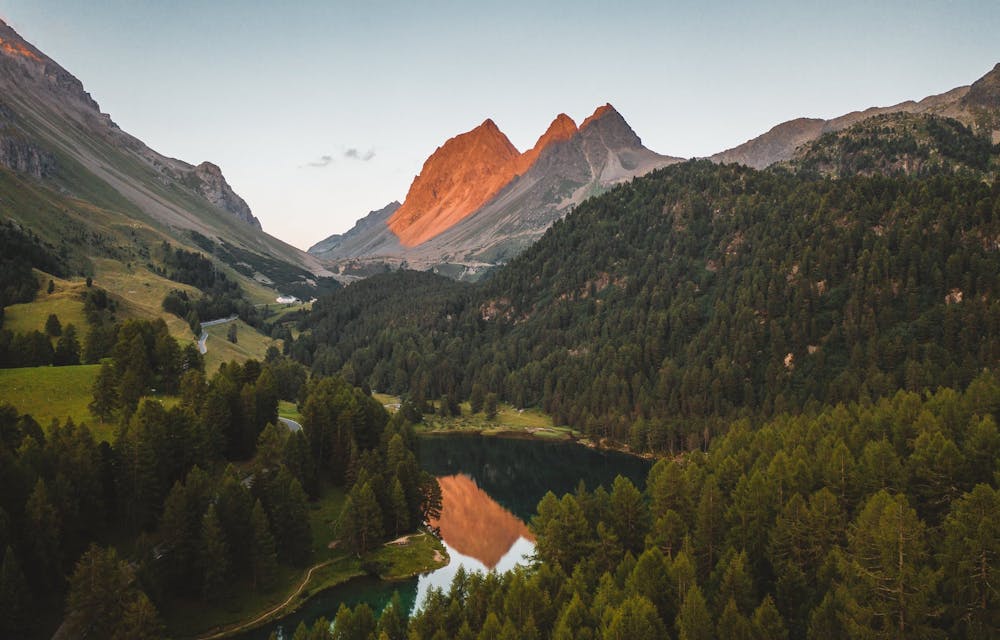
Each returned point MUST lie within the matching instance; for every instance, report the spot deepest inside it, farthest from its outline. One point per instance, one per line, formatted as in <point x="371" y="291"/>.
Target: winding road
<point x="291" y="424"/>
<point x="202" y="347"/>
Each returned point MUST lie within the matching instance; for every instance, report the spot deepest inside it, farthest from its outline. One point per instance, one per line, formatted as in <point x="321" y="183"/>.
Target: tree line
<point x="692" y="296"/>
<point x="868" y="519"/>
<point x="208" y="494"/>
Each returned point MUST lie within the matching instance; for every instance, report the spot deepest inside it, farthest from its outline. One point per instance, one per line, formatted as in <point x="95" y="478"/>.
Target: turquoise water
<point x="515" y="473"/>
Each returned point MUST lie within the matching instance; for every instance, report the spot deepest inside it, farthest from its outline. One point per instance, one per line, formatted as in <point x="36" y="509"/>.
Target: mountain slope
<point x="899" y="144"/>
<point x="477" y="201"/>
<point x="700" y="291"/>
<point x="977" y="106"/>
<point x="52" y="132"/>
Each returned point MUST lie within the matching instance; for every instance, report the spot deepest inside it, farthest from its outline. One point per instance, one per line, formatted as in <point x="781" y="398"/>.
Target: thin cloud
<point x="354" y="154"/>
<point x="324" y="161"/>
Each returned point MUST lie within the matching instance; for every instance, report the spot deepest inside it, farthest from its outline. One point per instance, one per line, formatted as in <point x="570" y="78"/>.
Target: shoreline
<point x="532" y="434"/>
<point x="303" y="594"/>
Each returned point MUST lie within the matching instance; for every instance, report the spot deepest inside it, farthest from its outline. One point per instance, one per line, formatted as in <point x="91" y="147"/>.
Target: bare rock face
<point x="18" y="153"/>
<point x="215" y="189"/>
<point x="458" y="178"/>
<point x="478" y="202"/>
<point x="51" y="94"/>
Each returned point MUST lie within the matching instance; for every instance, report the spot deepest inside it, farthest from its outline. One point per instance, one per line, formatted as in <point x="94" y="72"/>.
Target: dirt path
<point x="404" y="539"/>
<point x="246" y="625"/>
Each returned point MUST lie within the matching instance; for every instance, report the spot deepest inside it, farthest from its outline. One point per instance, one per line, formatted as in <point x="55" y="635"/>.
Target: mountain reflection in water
<point x="474" y="524"/>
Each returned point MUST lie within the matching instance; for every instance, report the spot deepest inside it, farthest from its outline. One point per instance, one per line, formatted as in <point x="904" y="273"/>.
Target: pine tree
<point x="263" y="555"/>
<point x="140" y="621"/>
<point x="636" y="617"/>
<point x="888" y="581"/>
<point x="105" y="393"/>
<point x="43" y="528"/>
<point x="694" y="622"/>
<point x="392" y="622"/>
<point x="14" y="597"/>
<point x="214" y="556"/>
<point x="477" y="398"/>
<point x="970" y="560"/>
<point x="767" y="623"/>
<point x="53" y="327"/>
<point x="491" y="406"/>
<point x="629" y="515"/>
<point x="361" y="519"/>
<point x="400" y="509"/>
<point x="100" y="589"/>
<point x="67" y="348"/>
<point x="733" y="625"/>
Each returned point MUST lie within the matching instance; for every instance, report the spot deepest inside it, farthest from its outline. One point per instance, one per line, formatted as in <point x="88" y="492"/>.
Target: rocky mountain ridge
<point x="976" y="105"/>
<point x="53" y="131"/>
<point x="478" y="201"/>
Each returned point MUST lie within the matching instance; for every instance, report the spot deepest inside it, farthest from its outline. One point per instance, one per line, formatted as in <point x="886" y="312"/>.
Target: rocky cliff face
<point x="41" y="90"/>
<point x="458" y="178"/>
<point x="19" y="154"/>
<point x="56" y="132"/>
<point x="478" y="202"/>
<point x="213" y="186"/>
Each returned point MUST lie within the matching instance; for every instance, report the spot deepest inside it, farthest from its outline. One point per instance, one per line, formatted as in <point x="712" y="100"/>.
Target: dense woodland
<point x="161" y="515"/>
<point x="866" y="520"/>
<point x="814" y="358"/>
<point x="696" y="294"/>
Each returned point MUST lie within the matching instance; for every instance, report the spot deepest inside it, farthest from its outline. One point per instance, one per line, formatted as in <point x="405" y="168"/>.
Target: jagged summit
<point x="601" y="111"/>
<point x="458" y="178"/>
<point x="562" y="128"/>
<point x="478" y="201"/>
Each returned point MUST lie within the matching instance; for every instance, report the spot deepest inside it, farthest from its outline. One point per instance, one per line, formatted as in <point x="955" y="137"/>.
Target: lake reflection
<point x="489" y="489"/>
<point x="474" y="524"/>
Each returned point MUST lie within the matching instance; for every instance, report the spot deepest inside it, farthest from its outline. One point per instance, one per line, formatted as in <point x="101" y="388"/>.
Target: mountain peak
<point x="562" y="128"/>
<point x="458" y="178"/>
<point x="599" y="112"/>
<point x="985" y="92"/>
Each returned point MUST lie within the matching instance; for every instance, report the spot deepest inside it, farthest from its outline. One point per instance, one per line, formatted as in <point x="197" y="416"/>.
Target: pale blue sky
<point x="264" y="89"/>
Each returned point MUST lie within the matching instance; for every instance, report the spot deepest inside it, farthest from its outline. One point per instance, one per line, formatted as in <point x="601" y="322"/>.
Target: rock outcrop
<point x="215" y="189"/>
<point x="456" y="180"/>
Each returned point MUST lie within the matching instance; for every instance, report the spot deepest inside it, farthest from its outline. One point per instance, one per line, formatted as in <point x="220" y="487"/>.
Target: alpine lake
<point x="490" y="487"/>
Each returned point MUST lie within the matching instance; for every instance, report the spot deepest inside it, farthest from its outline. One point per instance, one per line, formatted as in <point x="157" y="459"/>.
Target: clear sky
<point x="319" y="111"/>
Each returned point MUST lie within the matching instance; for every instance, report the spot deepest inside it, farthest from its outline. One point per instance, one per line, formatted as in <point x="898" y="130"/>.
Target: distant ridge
<point x="976" y="105"/>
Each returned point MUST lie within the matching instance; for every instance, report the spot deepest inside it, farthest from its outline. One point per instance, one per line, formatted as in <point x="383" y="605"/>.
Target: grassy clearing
<point x="51" y="392"/>
<point x="250" y="344"/>
<point x="509" y="421"/>
<point x="140" y="294"/>
<point x="419" y="554"/>
<point x="289" y="410"/>
<point x="389" y="402"/>
<point x="65" y="301"/>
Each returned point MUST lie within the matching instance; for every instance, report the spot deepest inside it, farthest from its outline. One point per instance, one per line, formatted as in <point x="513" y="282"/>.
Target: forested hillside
<point x="858" y="521"/>
<point x="697" y="293"/>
